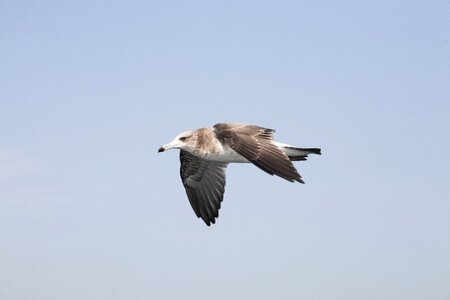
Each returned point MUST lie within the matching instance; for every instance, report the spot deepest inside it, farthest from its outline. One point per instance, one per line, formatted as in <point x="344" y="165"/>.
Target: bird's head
<point x="184" y="141"/>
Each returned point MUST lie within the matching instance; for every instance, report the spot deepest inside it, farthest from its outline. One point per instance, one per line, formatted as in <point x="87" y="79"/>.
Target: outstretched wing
<point x="204" y="182"/>
<point x="256" y="144"/>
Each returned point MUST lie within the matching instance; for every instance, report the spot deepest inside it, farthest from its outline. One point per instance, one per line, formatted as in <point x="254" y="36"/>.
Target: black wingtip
<point x="207" y="222"/>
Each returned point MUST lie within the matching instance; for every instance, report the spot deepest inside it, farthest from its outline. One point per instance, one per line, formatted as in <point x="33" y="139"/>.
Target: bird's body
<point x="224" y="153"/>
<point x="206" y="152"/>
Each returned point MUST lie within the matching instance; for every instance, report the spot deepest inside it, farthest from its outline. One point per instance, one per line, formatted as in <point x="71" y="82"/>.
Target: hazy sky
<point x="89" y="90"/>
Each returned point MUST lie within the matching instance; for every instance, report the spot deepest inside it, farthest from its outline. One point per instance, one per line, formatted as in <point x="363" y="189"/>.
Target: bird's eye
<point x="183" y="138"/>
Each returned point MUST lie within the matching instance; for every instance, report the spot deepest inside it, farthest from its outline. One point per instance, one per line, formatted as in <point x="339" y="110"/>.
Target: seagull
<point x="206" y="152"/>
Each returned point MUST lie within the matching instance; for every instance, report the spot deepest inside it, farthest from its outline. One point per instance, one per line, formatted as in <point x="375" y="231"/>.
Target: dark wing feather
<point x="204" y="182"/>
<point x="255" y="144"/>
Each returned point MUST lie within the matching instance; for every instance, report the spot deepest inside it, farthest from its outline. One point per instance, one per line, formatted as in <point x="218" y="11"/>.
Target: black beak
<point x="161" y="149"/>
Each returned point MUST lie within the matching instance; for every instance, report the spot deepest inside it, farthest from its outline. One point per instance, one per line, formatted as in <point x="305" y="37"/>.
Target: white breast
<point x="224" y="153"/>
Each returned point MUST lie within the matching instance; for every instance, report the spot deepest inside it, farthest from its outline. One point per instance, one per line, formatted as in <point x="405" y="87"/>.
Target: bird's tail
<point x="296" y="154"/>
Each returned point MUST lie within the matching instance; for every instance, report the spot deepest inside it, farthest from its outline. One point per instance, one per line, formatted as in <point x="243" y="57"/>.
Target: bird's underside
<point x="204" y="179"/>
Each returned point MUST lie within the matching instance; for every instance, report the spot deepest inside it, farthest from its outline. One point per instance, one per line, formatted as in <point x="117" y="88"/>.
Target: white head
<point x="185" y="141"/>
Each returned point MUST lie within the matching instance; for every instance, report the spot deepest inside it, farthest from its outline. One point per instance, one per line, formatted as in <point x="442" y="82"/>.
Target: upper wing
<point x="204" y="182"/>
<point x="256" y="144"/>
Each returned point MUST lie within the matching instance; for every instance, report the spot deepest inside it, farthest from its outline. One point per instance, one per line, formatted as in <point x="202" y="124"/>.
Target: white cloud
<point x="14" y="163"/>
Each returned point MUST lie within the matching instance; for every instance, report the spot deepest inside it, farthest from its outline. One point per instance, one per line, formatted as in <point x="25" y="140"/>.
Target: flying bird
<point x="206" y="152"/>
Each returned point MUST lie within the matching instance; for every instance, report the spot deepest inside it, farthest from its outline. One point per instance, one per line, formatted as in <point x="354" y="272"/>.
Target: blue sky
<point x="90" y="90"/>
